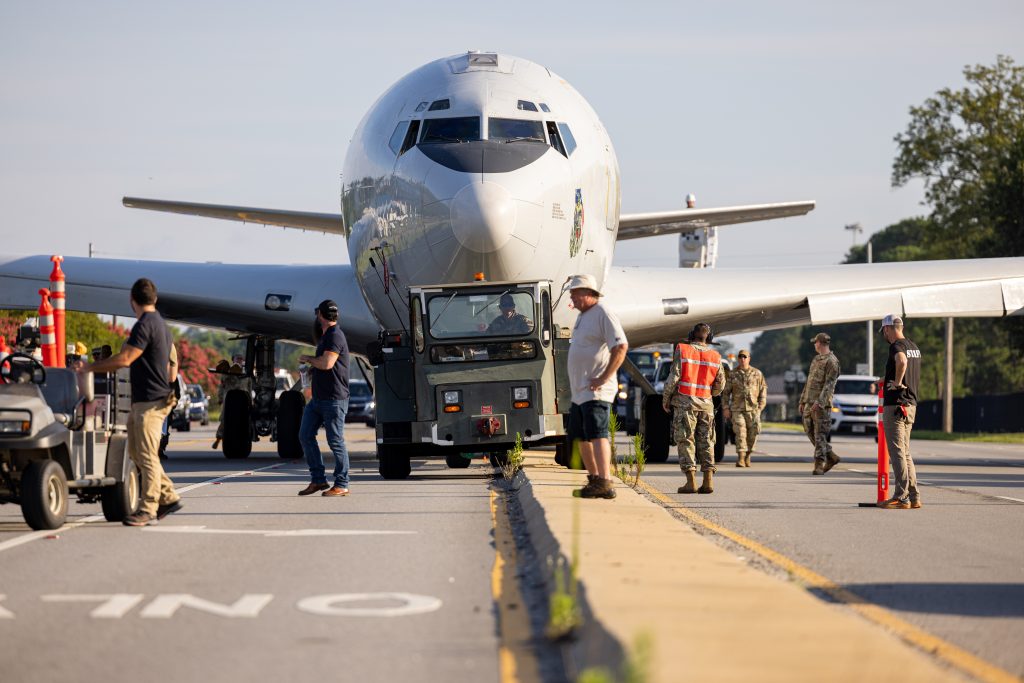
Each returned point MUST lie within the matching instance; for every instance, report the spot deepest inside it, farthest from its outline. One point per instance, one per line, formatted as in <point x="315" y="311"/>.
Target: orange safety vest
<point x="697" y="370"/>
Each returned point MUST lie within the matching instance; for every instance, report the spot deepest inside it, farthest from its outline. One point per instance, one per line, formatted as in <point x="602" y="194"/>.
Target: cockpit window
<point x="421" y="106"/>
<point x="526" y="106"/>
<point x="457" y="129"/>
<point x="544" y="107"/>
<point x="395" y="143"/>
<point x="567" y="138"/>
<point x="515" y="130"/>
<point x="438" y="105"/>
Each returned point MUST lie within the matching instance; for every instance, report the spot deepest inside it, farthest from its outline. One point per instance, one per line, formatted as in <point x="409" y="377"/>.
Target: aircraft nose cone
<point x="483" y="217"/>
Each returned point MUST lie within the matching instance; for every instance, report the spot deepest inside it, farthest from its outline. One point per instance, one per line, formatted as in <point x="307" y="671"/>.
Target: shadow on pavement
<point x="963" y="599"/>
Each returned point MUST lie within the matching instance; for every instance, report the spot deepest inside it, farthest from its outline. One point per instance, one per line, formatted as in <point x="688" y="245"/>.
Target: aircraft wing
<point x="272" y="300"/>
<point x="635" y="225"/>
<point x="322" y="222"/>
<point x="662" y="304"/>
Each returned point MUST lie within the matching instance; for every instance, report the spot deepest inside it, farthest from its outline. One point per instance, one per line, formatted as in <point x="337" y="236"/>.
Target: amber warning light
<point x="479" y="277"/>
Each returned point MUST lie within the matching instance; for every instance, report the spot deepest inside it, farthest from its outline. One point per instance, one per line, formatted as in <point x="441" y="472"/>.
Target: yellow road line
<point x="946" y="651"/>
<point x="516" y="663"/>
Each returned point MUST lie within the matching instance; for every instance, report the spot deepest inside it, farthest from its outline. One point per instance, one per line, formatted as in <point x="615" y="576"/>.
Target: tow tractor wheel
<point x="393" y="461"/>
<point x="122" y="499"/>
<point x="289" y="417"/>
<point x="655" y="425"/>
<point x="237" y="435"/>
<point x="44" y="495"/>
<point x="456" y="462"/>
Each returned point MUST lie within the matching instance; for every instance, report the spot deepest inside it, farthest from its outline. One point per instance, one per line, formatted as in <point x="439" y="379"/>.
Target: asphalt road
<point x="252" y="582"/>
<point x="954" y="568"/>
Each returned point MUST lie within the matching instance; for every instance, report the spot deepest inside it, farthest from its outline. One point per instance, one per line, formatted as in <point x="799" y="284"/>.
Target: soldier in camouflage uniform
<point x="695" y="378"/>
<point x="816" y="402"/>
<point x="231" y="377"/>
<point x="745" y="396"/>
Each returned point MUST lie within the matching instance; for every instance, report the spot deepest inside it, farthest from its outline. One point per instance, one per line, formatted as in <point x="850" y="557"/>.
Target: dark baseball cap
<point x="506" y="301"/>
<point x="328" y="309"/>
<point x="821" y="337"/>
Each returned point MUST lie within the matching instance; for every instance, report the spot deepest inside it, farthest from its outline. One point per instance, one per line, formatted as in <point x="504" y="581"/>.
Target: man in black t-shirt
<point x="147" y="353"/>
<point x="899" y="407"/>
<point x="328" y="405"/>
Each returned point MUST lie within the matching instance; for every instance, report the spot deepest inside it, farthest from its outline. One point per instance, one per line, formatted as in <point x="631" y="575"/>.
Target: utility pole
<point x="947" y="393"/>
<point x="871" y="346"/>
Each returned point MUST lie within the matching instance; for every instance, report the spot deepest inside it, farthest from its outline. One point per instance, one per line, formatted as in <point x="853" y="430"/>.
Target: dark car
<point x="179" y="417"/>
<point x="361" y="407"/>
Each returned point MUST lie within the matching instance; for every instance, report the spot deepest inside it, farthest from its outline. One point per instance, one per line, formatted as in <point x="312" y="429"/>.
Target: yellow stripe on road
<point x="945" y="651"/>
<point x="516" y="663"/>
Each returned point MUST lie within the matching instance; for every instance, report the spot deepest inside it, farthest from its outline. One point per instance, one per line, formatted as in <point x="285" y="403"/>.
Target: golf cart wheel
<point x="44" y="495"/>
<point x="393" y="461"/>
<point x="237" y="430"/>
<point x="456" y="462"/>
<point x="122" y="499"/>
<point x="289" y="417"/>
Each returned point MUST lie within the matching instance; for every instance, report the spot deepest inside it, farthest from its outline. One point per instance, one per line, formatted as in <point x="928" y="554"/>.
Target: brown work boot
<point x="915" y="504"/>
<point x="602" y="488"/>
<point x="831" y="460"/>
<point x="313" y="488"/>
<point x="894" y="504"/>
<point x="691" y="483"/>
<point x="707" y="486"/>
<point x="591" y="481"/>
<point x="335" y="491"/>
<point x="819" y="467"/>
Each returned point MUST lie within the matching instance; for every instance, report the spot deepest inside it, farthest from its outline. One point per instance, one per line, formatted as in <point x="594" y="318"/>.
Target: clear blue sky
<point x="253" y="103"/>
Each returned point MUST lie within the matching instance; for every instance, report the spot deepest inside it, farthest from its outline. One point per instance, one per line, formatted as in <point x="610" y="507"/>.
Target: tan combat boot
<point x="746" y="459"/>
<point x="707" y="486"/>
<point x="739" y="460"/>
<point x="819" y="467"/>
<point x="691" y="483"/>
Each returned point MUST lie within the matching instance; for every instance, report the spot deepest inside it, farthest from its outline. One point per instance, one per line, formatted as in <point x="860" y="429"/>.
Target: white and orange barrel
<point x="57" y="300"/>
<point x="47" y="337"/>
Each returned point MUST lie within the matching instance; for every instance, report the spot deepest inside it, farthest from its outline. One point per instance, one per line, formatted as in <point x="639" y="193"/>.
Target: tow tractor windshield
<point x="494" y="314"/>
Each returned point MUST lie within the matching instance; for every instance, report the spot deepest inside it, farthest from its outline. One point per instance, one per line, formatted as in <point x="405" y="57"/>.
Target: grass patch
<point x="513" y="461"/>
<point x="636" y="668"/>
<point x="632" y="465"/>
<point x="931" y="435"/>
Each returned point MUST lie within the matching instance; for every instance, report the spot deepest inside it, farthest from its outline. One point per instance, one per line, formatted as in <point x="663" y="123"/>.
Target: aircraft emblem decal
<point x="576" y="238"/>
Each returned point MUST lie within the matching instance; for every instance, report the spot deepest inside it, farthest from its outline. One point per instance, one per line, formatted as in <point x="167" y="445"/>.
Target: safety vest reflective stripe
<point x="697" y="370"/>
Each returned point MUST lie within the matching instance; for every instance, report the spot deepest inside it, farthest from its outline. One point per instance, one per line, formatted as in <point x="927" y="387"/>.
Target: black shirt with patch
<point x="149" y="372"/>
<point x="332" y="385"/>
<point x="906" y="396"/>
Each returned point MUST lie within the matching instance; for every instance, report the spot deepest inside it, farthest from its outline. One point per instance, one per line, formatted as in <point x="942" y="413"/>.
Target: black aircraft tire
<point x="456" y="462"/>
<point x="393" y="461"/>
<point x="655" y="424"/>
<point x="237" y="434"/>
<point x="122" y="499"/>
<point x="44" y="495"/>
<point x="289" y="417"/>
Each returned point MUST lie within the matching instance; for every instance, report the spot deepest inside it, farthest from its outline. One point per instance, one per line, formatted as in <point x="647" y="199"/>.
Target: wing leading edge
<point x="236" y="297"/>
<point x="322" y="222"/>
<point x="636" y="225"/>
<point x="661" y="305"/>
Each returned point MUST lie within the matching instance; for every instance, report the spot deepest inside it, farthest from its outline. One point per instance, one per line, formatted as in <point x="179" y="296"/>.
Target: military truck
<point x="479" y="363"/>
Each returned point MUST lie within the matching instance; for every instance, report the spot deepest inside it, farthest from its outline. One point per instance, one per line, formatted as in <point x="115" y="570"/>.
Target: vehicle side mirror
<point x="86" y="386"/>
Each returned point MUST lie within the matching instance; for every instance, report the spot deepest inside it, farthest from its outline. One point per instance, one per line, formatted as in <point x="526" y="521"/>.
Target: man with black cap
<point x="899" y="408"/>
<point x="816" y="402"/>
<point x="743" y="400"/>
<point x="509" y="322"/>
<point x="328" y="405"/>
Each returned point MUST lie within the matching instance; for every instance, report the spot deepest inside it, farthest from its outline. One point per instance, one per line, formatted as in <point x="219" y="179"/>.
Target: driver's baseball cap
<point x="328" y="310"/>
<point x="890" y="320"/>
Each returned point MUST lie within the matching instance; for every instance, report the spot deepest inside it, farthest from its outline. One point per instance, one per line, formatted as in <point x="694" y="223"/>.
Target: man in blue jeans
<point x="328" y="405"/>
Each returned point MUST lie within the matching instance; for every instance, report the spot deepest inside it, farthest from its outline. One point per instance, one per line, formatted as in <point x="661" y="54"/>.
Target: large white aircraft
<point x="488" y="163"/>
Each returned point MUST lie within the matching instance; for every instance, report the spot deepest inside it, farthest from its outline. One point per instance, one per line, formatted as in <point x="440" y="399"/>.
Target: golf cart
<point x="62" y="432"/>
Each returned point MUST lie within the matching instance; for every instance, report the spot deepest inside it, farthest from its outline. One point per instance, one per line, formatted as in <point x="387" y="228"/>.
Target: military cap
<point x="821" y="337"/>
<point x="223" y="366"/>
<point x="891" y="320"/>
<point x="742" y="353"/>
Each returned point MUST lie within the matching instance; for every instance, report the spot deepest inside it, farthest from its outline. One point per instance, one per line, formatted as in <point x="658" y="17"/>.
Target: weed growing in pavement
<point x="564" y="615"/>
<point x="633" y="464"/>
<point x="513" y="460"/>
<point x="636" y="668"/>
<point x="613" y="427"/>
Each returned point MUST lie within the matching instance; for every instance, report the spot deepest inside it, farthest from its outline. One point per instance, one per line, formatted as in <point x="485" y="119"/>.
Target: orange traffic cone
<point x="57" y="300"/>
<point x="47" y="338"/>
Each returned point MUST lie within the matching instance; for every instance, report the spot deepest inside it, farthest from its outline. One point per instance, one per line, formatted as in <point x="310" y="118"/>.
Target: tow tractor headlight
<point x="452" y="401"/>
<point x="520" y="397"/>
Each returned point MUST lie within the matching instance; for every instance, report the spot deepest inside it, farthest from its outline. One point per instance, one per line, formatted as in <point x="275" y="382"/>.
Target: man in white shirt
<point x="596" y="350"/>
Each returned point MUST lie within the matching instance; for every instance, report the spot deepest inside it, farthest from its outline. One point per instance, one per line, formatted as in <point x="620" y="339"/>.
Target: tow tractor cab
<point x="479" y="363"/>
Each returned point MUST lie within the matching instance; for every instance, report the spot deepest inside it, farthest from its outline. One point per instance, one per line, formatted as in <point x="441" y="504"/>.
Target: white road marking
<point x="248" y="606"/>
<point x="36" y="535"/>
<point x="1015" y="500"/>
<point x="328" y="605"/>
<point x="271" y="533"/>
<point x="115" y="605"/>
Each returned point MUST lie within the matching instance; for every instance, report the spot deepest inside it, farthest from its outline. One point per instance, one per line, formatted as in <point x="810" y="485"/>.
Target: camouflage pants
<point x="817" y="425"/>
<point x="694" y="433"/>
<point x="746" y="426"/>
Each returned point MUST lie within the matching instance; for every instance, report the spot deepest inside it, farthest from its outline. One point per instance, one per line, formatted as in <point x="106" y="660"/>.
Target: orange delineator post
<point x="57" y="300"/>
<point x="883" y="453"/>
<point x="47" y="338"/>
